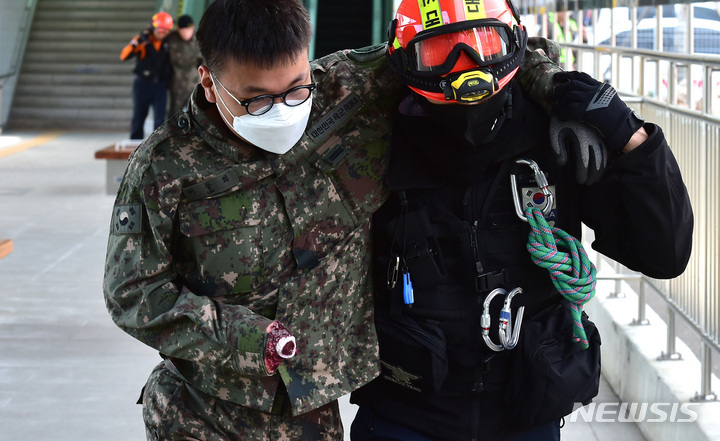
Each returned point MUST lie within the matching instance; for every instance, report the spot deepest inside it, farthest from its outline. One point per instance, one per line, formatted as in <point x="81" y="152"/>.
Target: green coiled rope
<point x="571" y="271"/>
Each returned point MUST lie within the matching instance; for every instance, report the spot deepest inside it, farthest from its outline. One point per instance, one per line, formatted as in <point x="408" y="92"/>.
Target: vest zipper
<point x="476" y="249"/>
<point x="467" y="203"/>
<point x="478" y="386"/>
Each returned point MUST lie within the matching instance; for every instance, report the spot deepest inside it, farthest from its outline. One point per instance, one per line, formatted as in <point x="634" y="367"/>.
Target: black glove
<point x="144" y="37"/>
<point x="580" y="97"/>
<point x="582" y="146"/>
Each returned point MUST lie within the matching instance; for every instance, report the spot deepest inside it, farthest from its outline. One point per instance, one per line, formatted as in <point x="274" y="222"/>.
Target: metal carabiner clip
<point x="509" y="337"/>
<point x="393" y="272"/>
<point x="541" y="181"/>
<point x="485" y="320"/>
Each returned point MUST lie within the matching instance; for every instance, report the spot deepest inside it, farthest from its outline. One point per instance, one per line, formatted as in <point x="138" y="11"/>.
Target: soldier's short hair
<point x="268" y="33"/>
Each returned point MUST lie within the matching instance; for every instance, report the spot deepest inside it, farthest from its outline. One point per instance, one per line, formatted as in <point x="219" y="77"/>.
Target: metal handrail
<point x="670" y="56"/>
<point x="709" y="63"/>
<point x="706" y="393"/>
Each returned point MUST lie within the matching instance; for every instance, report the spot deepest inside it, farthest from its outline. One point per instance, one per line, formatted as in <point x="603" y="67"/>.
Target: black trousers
<point x="147" y="93"/>
<point x="369" y="426"/>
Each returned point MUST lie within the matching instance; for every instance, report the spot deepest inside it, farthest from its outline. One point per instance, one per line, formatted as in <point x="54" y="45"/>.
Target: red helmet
<point x="461" y="50"/>
<point x="162" y="20"/>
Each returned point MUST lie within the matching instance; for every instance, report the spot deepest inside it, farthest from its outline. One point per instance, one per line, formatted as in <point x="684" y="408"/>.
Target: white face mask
<point x="275" y="131"/>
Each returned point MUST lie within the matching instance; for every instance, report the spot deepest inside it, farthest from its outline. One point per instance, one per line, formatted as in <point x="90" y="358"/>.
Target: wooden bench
<point x="6" y="247"/>
<point x="116" y="156"/>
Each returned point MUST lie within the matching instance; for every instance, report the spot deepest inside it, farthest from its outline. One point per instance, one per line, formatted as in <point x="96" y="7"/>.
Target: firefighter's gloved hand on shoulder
<point x="581" y="97"/>
<point x="582" y="103"/>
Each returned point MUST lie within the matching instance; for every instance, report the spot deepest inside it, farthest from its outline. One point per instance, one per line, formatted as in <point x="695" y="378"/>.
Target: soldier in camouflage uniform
<point x="245" y="264"/>
<point x="185" y="58"/>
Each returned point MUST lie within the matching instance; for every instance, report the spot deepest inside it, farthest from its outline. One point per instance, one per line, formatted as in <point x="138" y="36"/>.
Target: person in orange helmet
<point x="152" y="72"/>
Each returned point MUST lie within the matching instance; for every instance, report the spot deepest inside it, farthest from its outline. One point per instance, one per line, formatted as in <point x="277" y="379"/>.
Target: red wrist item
<point x="280" y="345"/>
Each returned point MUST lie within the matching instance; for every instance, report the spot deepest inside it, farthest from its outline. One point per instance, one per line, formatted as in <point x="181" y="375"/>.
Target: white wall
<point x="12" y="18"/>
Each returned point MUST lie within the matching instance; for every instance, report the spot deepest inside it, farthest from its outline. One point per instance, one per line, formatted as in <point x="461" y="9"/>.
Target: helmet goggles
<point x="435" y="51"/>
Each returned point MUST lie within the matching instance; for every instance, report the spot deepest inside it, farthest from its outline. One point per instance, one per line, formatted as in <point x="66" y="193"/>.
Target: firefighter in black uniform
<point x="152" y="72"/>
<point x="471" y="159"/>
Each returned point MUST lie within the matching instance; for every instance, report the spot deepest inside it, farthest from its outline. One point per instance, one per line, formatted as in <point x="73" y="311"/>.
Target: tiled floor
<point x="66" y="371"/>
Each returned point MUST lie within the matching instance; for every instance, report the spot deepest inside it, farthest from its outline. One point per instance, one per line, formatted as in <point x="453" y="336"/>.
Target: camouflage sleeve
<point x="536" y="72"/>
<point x="385" y="83"/>
<point x="146" y="298"/>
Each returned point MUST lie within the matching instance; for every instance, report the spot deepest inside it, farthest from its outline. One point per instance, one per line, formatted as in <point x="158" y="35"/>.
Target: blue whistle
<point x="408" y="290"/>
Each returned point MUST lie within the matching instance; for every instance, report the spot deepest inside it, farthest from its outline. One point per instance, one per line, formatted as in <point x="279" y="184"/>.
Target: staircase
<point x="72" y="76"/>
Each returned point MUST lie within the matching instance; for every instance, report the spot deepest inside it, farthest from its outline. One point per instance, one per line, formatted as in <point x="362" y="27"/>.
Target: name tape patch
<point x="211" y="186"/>
<point x="335" y="118"/>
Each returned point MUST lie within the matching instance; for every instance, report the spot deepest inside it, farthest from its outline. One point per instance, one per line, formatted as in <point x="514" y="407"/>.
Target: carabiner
<point x="392" y="272"/>
<point x="541" y="181"/>
<point x="485" y="319"/>
<point x="511" y="340"/>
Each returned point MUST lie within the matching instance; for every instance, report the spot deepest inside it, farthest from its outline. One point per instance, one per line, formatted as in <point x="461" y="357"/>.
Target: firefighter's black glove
<point x="580" y="97"/>
<point x="580" y="146"/>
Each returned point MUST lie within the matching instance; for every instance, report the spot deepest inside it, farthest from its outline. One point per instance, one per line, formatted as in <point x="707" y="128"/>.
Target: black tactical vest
<point x="458" y="237"/>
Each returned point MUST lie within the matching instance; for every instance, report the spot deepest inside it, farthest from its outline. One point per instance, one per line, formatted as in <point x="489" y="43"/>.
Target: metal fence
<point x="695" y="295"/>
<point x="652" y="83"/>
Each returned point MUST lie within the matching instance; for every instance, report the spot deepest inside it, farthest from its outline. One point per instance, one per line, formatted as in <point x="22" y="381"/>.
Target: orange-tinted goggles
<point x="436" y="51"/>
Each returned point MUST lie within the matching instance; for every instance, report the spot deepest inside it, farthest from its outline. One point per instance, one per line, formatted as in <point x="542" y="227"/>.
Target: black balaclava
<point x="439" y="143"/>
<point x="470" y="126"/>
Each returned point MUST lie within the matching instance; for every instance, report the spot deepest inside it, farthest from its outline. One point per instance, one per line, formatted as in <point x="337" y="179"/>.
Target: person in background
<point x="558" y="32"/>
<point x="185" y="59"/>
<point x="478" y="270"/>
<point x="152" y="72"/>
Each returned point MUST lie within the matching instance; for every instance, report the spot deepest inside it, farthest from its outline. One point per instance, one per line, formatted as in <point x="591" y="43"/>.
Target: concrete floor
<point x="66" y="371"/>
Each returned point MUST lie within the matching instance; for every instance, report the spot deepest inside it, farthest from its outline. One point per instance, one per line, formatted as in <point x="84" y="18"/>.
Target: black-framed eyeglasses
<point x="263" y="103"/>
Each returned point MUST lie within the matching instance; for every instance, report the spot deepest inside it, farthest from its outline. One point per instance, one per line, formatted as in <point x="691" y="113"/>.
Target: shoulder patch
<point x="127" y="219"/>
<point x="368" y="53"/>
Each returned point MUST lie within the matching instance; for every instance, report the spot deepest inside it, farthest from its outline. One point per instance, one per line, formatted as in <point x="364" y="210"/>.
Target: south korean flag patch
<point x="534" y="197"/>
<point x="127" y="219"/>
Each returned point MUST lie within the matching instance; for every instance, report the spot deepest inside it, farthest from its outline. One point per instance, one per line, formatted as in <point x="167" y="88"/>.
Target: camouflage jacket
<point x="209" y="244"/>
<point x="211" y="240"/>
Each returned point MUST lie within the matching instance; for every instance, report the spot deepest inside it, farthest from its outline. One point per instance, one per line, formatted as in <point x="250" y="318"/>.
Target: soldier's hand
<point x="580" y="97"/>
<point x="281" y="345"/>
<point x="578" y="145"/>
